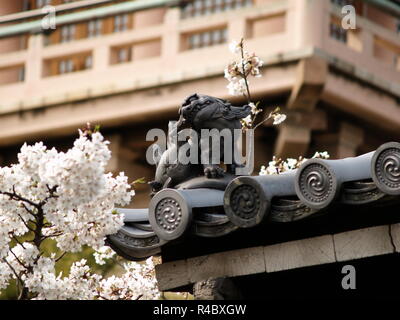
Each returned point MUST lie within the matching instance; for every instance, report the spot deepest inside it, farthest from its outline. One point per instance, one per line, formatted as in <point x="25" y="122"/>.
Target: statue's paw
<point x="155" y="186"/>
<point x="214" y="172"/>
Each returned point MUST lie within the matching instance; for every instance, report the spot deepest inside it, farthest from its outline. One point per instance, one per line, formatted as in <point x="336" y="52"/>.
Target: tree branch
<point x="24" y="291"/>
<point x="39" y="227"/>
<point x="60" y="257"/>
<point x="14" y="196"/>
<point x="244" y="72"/>
<point x="51" y="194"/>
<point x="258" y="124"/>
<point x="26" y="224"/>
<point x="16" y="258"/>
<point x="30" y="211"/>
<point x="17" y="241"/>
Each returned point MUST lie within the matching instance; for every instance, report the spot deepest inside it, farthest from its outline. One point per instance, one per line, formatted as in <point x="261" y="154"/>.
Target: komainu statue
<point x="199" y="112"/>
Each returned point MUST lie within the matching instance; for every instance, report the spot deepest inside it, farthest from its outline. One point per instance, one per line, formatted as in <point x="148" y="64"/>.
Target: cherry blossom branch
<point x="38" y="221"/>
<point x="53" y="235"/>
<point x="39" y="228"/>
<point x="12" y="269"/>
<point x="61" y="256"/>
<point x="244" y="75"/>
<point x="23" y="291"/>
<point x="17" y="241"/>
<point x="30" y="211"/>
<point x="19" y="261"/>
<point x="25" y="223"/>
<point x="51" y="195"/>
<point x="14" y="196"/>
<point x="237" y="73"/>
<point x="261" y="122"/>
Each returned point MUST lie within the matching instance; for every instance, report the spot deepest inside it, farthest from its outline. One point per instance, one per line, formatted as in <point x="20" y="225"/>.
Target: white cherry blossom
<point x="103" y="254"/>
<point x="279" y="118"/>
<point x="238" y="73"/>
<point x="235" y="47"/>
<point x="277" y="165"/>
<point x="70" y="198"/>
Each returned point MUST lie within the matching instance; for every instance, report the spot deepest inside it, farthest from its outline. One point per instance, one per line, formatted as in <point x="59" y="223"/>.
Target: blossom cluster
<point x="70" y="198"/>
<point x="237" y="73"/>
<point x="71" y="190"/>
<point x="276" y="116"/>
<point x="277" y="165"/>
<point x="137" y="282"/>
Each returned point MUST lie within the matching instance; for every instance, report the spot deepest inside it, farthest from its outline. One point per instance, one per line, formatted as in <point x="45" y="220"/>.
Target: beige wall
<point x="382" y="18"/>
<point x="143" y="19"/>
<point x="8" y="7"/>
<point x="268" y="25"/>
<point x="13" y="44"/>
<point x="10" y="75"/>
<point x="146" y="50"/>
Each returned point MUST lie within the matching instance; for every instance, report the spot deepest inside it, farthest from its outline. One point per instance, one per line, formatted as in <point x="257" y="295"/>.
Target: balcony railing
<point x="196" y="8"/>
<point x="28" y="9"/>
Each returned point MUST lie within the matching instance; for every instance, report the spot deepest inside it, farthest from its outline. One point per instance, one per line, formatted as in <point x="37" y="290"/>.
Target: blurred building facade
<point x="128" y="65"/>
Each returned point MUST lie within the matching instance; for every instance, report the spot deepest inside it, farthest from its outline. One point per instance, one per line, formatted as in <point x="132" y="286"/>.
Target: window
<point x="65" y="66"/>
<point x="94" y="28"/>
<point x="21" y="74"/>
<point x="67" y="33"/>
<point x="338" y="33"/>
<point x="206" y="39"/>
<point x="120" y="23"/>
<point x="197" y="8"/>
<point x="46" y="40"/>
<point x="88" y="62"/>
<point x="123" y="55"/>
<point x="68" y="64"/>
<point x="26" y="5"/>
<point x="12" y="74"/>
<point x="42" y="3"/>
<point x="387" y="52"/>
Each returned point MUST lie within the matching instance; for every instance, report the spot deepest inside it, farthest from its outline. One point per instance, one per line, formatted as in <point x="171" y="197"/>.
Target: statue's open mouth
<point x="182" y="119"/>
